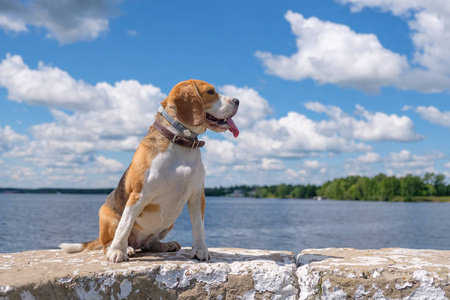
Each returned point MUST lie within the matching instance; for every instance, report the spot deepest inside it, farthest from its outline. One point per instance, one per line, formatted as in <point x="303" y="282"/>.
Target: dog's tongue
<point x="233" y="127"/>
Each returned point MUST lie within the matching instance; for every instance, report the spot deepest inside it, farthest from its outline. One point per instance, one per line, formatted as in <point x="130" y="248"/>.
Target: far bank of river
<point x="106" y="191"/>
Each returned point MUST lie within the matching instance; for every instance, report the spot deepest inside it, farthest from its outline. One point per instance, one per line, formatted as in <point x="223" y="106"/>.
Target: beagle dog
<point x="166" y="173"/>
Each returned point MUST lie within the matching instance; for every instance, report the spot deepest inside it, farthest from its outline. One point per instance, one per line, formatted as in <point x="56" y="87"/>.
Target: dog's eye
<point x="211" y="92"/>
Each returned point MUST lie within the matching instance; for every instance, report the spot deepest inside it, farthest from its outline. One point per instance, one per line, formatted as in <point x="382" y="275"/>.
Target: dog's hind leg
<point x="162" y="247"/>
<point x="157" y="246"/>
<point x="108" y="222"/>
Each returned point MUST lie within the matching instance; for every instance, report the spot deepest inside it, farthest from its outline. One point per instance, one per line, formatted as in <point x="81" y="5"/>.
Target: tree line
<point x="380" y="187"/>
<point x="266" y="191"/>
<point x="385" y="188"/>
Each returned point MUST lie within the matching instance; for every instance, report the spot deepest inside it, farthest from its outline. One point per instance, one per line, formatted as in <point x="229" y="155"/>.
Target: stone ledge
<point x="373" y="274"/>
<point x="231" y="274"/>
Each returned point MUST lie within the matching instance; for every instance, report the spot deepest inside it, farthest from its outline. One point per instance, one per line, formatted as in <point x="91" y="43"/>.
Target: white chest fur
<point x="174" y="177"/>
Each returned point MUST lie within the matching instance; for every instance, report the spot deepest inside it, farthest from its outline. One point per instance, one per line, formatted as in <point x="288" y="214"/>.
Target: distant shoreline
<point x="105" y="191"/>
<point x="208" y="192"/>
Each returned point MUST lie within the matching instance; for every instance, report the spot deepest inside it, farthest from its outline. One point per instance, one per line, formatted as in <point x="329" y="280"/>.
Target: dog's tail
<point x="74" y="248"/>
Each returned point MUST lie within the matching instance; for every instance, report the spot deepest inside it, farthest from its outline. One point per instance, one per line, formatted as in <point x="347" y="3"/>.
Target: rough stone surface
<point x="231" y="274"/>
<point x="373" y="274"/>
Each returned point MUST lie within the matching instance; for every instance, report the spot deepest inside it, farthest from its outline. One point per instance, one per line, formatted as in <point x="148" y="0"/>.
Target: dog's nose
<point x="235" y="101"/>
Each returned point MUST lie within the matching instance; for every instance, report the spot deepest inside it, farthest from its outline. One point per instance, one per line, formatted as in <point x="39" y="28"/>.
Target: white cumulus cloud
<point x="105" y="116"/>
<point x="267" y="143"/>
<point x="295" y="135"/>
<point x="67" y="21"/>
<point x="10" y="24"/>
<point x="47" y="86"/>
<point x="312" y="164"/>
<point x="434" y="115"/>
<point x="9" y="138"/>
<point x="87" y="119"/>
<point x="333" y="53"/>
<point x="369" y="157"/>
<point x="368" y="126"/>
<point x="405" y="162"/>
<point x="272" y="164"/>
<point x="430" y="29"/>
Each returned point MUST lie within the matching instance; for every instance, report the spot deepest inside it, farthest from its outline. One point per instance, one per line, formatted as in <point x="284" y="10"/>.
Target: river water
<point x="43" y="221"/>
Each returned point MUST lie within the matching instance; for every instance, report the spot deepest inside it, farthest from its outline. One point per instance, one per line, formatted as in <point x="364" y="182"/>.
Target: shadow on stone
<point x="306" y="259"/>
<point x="227" y="255"/>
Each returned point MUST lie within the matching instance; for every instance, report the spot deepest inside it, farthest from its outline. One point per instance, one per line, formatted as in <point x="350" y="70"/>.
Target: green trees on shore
<point x="380" y="187"/>
<point x="286" y="191"/>
<point x="385" y="188"/>
<point x="266" y="191"/>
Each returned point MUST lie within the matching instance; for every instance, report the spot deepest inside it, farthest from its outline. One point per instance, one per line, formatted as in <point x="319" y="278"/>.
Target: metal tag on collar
<point x="180" y="127"/>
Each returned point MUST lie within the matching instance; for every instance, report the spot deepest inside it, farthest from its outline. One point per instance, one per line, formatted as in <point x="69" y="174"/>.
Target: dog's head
<point x="198" y="106"/>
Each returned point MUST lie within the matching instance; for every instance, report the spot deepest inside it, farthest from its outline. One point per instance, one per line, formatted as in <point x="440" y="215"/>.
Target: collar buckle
<point x="193" y="144"/>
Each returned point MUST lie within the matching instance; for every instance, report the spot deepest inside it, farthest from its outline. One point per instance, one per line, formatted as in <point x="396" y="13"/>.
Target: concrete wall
<point x="231" y="274"/>
<point x="373" y="274"/>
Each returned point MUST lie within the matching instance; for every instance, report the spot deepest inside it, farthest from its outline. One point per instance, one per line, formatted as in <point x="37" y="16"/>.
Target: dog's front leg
<point x="196" y="206"/>
<point x="117" y="252"/>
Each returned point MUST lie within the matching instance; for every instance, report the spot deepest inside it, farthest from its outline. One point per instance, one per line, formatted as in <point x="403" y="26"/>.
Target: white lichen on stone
<point x="308" y="282"/>
<point x="125" y="289"/>
<point x="65" y="280"/>
<point x="250" y="295"/>
<point x="426" y="289"/>
<point x="172" y="277"/>
<point x="403" y="286"/>
<point x="5" y="289"/>
<point x="249" y="274"/>
<point x="26" y="295"/>
<point x="377" y="273"/>
<point x="334" y="293"/>
<point x="361" y="292"/>
<point x="107" y="283"/>
<point x="85" y="290"/>
<point x="378" y="295"/>
<point x="350" y="275"/>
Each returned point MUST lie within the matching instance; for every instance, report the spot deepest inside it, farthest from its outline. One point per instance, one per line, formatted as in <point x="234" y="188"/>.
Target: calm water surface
<point x="33" y="221"/>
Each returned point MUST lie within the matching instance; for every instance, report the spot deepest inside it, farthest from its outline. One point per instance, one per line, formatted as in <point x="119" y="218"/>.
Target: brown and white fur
<point x="161" y="179"/>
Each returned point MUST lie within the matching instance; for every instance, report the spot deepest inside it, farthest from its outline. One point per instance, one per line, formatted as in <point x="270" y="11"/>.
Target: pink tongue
<point x="233" y="127"/>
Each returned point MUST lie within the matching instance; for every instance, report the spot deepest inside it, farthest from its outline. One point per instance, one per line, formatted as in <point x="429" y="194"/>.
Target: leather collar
<point x="176" y="139"/>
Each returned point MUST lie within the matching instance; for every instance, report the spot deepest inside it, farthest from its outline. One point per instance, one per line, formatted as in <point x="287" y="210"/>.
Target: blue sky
<point x="327" y="88"/>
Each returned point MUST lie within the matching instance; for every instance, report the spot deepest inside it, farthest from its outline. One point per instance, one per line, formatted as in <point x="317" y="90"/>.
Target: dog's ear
<point x="189" y="106"/>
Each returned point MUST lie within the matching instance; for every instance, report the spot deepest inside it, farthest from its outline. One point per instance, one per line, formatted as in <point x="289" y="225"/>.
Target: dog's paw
<point x="116" y="255"/>
<point x="200" y="254"/>
<point x="130" y="251"/>
<point x="172" y="246"/>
